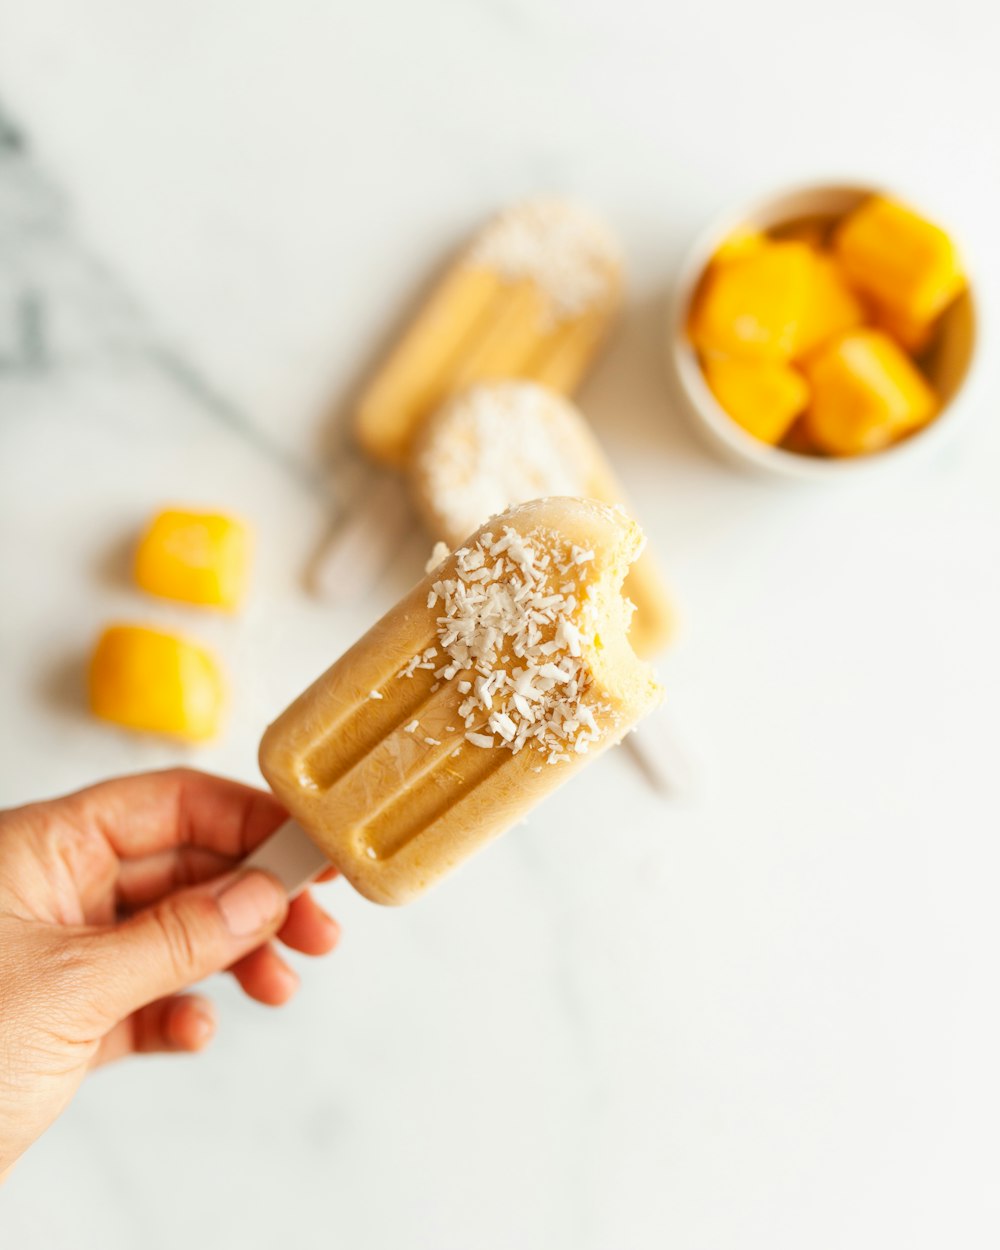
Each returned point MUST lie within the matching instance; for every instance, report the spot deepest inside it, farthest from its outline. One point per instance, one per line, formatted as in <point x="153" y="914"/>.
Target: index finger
<point x="151" y="812"/>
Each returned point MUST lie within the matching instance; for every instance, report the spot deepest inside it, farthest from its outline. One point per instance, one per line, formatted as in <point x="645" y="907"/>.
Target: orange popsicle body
<point x="503" y="672"/>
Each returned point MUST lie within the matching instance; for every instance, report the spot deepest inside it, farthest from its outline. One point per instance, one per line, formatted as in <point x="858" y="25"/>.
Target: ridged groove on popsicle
<point x="563" y="357"/>
<point x="415" y="374"/>
<point x="432" y="792"/>
<point x="350" y="738"/>
<point x="505" y="341"/>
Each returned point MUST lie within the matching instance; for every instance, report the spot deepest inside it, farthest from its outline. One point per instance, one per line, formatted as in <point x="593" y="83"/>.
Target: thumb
<point x="184" y="937"/>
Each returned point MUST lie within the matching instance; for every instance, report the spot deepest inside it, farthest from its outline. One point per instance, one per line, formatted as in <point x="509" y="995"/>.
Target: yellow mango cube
<point x="752" y="306"/>
<point x="742" y="242"/>
<point x="197" y="557"/>
<point x="866" y="394"/>
<point x="156" y="682"/>
<point x="831" y="307"/>
<point x="763" y="398"/>
<point x="899" y="259"/>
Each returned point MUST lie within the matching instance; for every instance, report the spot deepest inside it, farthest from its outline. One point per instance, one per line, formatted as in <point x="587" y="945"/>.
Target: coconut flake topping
<point x="512" y="644"/>
<point x="498" y="444"/>
<point x="557" y="244"/>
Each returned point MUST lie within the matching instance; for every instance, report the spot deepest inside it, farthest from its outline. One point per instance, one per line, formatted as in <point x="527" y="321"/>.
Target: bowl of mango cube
<point x="824" y="329"/>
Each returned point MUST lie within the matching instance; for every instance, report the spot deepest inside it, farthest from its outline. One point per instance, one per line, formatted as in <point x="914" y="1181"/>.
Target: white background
<point x="765" y="1016"/>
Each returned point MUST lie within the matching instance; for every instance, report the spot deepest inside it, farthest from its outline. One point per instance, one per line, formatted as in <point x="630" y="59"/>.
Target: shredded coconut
<point x="495" y="445"/>
<point x="440" y="553"/>
<point x="559" y="245"/>
<point x="524" y="682"/>
<point x="374" y="694"/>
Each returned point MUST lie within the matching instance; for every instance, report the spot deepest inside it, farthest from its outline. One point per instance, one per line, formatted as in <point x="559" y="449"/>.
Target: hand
<point x="111" y="901"/>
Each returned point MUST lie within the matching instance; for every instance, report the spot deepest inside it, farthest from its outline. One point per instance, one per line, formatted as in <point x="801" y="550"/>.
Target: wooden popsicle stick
<point x="290" y="855"/>
<point x="361" y="547"/>
<point x="661" y="757"/>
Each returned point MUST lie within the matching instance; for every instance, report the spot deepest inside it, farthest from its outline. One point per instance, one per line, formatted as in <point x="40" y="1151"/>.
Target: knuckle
<point x="179" y="939"/>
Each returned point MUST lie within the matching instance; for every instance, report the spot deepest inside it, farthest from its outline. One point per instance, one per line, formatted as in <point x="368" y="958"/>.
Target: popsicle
<point x="503" y="443"/>
<point x="504" y="671"/>
<point x="532" y="296"/>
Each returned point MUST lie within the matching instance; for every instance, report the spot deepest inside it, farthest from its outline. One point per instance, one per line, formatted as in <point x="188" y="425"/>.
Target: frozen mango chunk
<point x="198" y="557"/>
<point x="763" y="398"/>
<point x="831" y="307"/>
<point x="752" y="306"/>
<point x="899" y="259"/>
<point x="742" y="242"/>
<point x="866" y="393"/>
<point x="153" y="681"/>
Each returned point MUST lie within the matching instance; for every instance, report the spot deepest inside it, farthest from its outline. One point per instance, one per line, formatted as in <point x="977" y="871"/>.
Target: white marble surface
<point x="763" y="1017"/>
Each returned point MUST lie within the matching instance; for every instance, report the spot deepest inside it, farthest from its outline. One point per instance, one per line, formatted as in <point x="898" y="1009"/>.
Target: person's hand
<point x="111" y="901"/>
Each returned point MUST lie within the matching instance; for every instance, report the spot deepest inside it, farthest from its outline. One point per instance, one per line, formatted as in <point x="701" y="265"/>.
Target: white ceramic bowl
<point x="948" y="367"/>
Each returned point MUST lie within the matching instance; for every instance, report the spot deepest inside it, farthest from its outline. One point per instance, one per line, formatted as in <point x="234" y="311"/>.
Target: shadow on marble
<point x="113" y="567"/>
<point x="352" y="476"/>
<point x="63" y="685"/>
<point x="633" y="391"/>
<point x="392" y="546"/>
<point x="335" y="435"/>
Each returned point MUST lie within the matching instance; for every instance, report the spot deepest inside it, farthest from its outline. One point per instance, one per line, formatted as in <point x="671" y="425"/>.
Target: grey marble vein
<point x="65" y="314"/>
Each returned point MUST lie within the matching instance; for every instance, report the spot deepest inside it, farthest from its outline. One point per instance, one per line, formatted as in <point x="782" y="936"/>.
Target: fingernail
<point x="251" y="902"/>
<point x="291" y="979"/>
<point x="202" y="1027"/>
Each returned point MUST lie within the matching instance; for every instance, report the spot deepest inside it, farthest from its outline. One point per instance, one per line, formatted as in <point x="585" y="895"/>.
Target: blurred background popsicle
<point x="533" y="296"/>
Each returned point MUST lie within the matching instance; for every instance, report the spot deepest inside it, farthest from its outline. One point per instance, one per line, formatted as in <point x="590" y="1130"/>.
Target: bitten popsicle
<point x="532" y="296"/>
<point x="503" y="443"/>
<point x="501" y="674"/>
